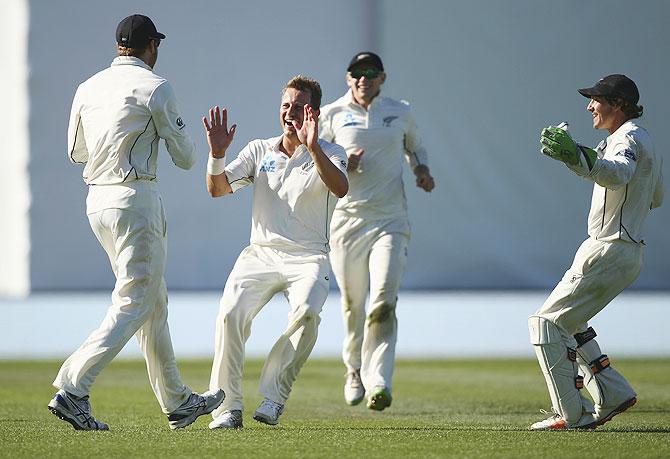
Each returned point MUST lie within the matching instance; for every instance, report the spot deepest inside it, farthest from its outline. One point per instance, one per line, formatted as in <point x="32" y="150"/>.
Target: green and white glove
<point x="557" y="144"/>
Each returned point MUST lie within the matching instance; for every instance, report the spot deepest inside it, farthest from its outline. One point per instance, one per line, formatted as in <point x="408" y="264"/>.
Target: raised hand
<point x="218" y="135"/>
<point x="354" y="159"/>
<point x="308" y="133"/>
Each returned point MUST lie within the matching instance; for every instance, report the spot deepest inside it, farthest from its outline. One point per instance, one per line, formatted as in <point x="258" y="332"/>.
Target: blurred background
<point x="483" y="77"/>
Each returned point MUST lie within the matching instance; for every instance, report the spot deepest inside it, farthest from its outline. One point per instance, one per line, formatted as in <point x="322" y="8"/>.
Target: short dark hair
<point x="135" y="52"/>
<point x="303" y="83"/>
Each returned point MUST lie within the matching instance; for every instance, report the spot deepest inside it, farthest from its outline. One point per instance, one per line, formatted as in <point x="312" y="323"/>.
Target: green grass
<point x="446" y="408"/>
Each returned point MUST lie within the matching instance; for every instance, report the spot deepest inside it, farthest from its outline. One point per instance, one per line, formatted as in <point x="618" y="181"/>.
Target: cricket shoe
<point x="557" y="422"/>
<point x="196" y="405"/>
<point x="75" y="410"/>
<point x="604" y="415"/>
<point x="268" y="412"/>
<point x="229" y="419"/>
<point x="354" y="392"/>
<point x="380" y="399"/>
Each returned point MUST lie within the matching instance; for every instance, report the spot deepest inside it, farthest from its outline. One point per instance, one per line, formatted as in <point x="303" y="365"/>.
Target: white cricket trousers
<point x="135" y="242"/>
<point x="259" y="273"/>
<point x="369" y="259"/>
<point x="600" y="271"/>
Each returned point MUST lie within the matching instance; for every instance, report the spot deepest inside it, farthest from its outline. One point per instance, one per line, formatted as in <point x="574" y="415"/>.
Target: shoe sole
<point x="618" y="410"/>
<point x="265" y="420"/>
<point x="63" y="416"/>
<point x="380" y="401"/>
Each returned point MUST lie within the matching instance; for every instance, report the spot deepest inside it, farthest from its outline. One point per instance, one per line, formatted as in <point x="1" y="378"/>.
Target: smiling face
<point x="605" y="115"/>
<point x="291" y="112"/>
<point x="363" y="87"/>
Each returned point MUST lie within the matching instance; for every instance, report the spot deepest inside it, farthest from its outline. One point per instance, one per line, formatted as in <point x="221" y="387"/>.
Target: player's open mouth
<point x="289" y="122"/>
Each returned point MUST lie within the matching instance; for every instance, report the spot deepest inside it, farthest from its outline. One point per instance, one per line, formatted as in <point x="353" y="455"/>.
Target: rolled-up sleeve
<point x="171" y="127"/>
<point x="240" y="172"/>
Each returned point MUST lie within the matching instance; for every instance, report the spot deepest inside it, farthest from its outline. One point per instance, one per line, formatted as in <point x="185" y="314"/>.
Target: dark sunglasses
<point x="370" y="74"/>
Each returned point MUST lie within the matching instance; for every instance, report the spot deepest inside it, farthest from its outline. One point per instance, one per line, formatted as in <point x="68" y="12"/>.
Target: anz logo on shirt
<point x="267" y="165"/>
<point x="349" y="120"/>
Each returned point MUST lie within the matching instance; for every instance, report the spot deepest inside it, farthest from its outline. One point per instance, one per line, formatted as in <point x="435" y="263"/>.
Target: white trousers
<point x="369" y="259"/>
<point x="600" y="271"/>
<point x="259" y="273"/>
<point x="135" y="242"/>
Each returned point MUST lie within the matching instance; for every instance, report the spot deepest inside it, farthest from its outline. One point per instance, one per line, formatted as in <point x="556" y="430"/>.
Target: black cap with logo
<point x="366" y="57"/>
<point x="614" y="86"/>
<point x="135" y="31"/>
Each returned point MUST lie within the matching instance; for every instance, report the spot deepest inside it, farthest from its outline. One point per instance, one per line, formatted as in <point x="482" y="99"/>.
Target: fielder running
<point x="370" y="229"/>
<point x="297" y="179"/>
<point x="117" y="117"/>
<point x="628" y="183"/>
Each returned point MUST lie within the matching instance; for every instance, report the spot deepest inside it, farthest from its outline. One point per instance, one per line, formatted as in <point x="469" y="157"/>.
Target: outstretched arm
<point x="219" y="139"/>
<point x="308" y="134"/>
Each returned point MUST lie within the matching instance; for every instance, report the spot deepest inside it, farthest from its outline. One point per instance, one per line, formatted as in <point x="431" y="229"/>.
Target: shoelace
<point x="354" y="378"/>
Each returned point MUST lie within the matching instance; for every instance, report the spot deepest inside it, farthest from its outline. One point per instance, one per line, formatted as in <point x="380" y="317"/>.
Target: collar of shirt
<point x="275" y="143"/>
<point x="130" y="60"/>
<point x="349" y="98"/>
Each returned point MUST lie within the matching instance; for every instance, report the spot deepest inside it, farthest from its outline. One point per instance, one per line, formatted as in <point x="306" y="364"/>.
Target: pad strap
<point x="600" y="364"/>
<point x="585" y="336"/>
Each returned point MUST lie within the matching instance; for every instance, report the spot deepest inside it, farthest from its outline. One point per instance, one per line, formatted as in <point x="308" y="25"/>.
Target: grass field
<point x="449" y="408"/>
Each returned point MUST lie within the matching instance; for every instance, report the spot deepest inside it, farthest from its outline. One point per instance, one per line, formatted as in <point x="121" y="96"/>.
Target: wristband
<point x="216" y="166"/>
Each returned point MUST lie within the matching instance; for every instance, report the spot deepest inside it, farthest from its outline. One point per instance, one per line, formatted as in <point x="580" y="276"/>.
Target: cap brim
<point x="159" y="35"/>
<point x="365" y="61"/>
<point x="589" y="92"/>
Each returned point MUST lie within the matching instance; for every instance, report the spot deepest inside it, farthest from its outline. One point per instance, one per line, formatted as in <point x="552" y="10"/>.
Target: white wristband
<point x="216" y="166"/>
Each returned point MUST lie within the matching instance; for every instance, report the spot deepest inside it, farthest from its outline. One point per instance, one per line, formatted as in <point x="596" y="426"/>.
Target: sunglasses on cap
<point x="370" y="74"/>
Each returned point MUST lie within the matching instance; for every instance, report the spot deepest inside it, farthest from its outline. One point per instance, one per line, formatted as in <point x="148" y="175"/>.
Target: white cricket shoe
<point x="229" y="419"/>
<point x="557" y="422"/>
<point x="75" y="410"/>
<point x="196" y="405"/>
<point x="354" y="392"/>
<point x="268" y="412"/>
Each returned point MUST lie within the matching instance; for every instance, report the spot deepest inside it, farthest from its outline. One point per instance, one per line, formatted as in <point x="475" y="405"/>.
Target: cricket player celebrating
<point x="117" y="117"/>
<point x="628" y="183"/>
<point x="297" y="179"/>
<point x="370" y="229"/>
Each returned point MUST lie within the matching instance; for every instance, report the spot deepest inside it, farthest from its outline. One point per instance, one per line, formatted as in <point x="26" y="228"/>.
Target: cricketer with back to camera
<point x="628" y="183"/>
<point x="117" y="118"/>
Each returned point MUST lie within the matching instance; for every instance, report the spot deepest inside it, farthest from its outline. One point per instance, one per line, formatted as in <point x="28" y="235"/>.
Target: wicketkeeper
<point x="628" y="183"/>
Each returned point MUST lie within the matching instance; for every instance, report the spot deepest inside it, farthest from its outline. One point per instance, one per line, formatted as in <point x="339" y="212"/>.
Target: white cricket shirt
<point x="292" y="207"/>
<point x="118" y="116"/>
<point x="387" y="132"/>
<point x="628" y="183"/>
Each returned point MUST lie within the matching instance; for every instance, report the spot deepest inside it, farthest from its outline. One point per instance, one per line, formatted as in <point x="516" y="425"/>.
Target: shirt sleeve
<point x="615" y="169"/>
<point x="240" y="172"/>
<point x="338" y="156"/>
<point x="415" y="153"/>
<point x="171" y="127"/>
<point x="76" y="143"/>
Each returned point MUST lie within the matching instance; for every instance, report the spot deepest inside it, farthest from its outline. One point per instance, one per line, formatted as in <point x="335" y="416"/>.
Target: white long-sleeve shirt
<point x="292" y="207"/>
<point x="118" y="116"/>
<point x="387" y="132"/>
<point x="628" y="184"/>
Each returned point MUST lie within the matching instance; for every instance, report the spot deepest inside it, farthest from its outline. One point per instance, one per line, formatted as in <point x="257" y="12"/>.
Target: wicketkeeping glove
<point x="557" y="144"/>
